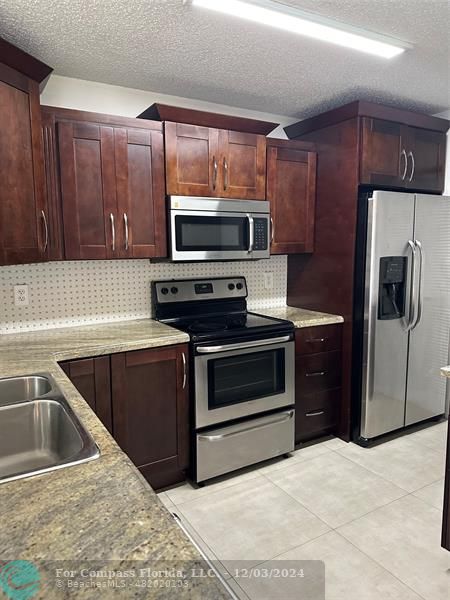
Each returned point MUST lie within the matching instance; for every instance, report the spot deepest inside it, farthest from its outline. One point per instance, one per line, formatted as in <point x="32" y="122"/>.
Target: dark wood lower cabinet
<point x="92" y="378"/>
<point x="318" y="368"/>
<point x="151" y="411"/>
<point x="446" y="509"/>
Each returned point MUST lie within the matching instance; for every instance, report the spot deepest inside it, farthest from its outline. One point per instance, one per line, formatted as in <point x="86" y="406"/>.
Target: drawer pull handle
<point x="316" y="374"/>
<point x="316" y="413"/>
<point x="319" y="340"/>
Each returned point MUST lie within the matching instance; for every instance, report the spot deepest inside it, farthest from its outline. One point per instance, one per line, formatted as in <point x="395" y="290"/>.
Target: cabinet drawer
<point x="323" y="338"/>
<point x="317" y="372"/>
<point x="316" y="413"/>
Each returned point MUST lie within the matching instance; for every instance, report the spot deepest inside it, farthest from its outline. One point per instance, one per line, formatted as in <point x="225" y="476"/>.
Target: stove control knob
<point x="239" y="286"/>
<point x="231" y="286"/>
<point x="174" y="290"/>
<point x="164" y="291"/>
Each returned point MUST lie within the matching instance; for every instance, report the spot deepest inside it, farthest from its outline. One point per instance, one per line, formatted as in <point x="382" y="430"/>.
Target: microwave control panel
<point x="261" y="234"/>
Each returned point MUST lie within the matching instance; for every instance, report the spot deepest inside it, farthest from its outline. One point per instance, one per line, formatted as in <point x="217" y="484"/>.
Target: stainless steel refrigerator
<point x="405" y="311"/>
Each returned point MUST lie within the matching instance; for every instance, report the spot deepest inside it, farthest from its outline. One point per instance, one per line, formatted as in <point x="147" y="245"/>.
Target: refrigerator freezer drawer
<point x="231" y="447"/>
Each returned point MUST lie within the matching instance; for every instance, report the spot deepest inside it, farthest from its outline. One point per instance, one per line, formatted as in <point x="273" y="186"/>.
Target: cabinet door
<point x="139" y="163"/>
<point x="151" y="413"/>
<point x="22" y="198"/>
<point x="242" y="165"/>
<point x="426" y="159"/>
<point x="383" y="153"/>
<point x="88" y="190"/>
<point x="92" y="378"/>
<point x="192" y="167"/>
<point x="291" y="190"/>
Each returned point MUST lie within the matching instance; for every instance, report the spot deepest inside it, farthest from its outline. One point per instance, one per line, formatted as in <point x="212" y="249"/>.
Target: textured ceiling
<point x="168" y="47"/>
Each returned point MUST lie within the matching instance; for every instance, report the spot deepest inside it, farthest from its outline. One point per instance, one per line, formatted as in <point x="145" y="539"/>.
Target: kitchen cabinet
<point x="398" y="155"/>
<point x="204" y="161"/>
<point x="92" y="378"/>
<point x="317" y="381"/>
<point x="151" y="411"/>
<point x="111" y="172"/>
<point x="23" y="210"/>
<point x="291" y="190"/>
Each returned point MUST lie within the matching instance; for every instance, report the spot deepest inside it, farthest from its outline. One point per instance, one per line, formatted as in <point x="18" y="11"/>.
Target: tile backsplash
<point x="65" y="294"/>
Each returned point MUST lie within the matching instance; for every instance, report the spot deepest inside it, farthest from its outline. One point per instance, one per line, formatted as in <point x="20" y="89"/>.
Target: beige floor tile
<point x="404" y="537"/>
<point x="252" y="521"/>
<point x="335" y="444"/>
<point x="335" y="489"/>
<point x="349" y="574"/>
<point x="300" y="455"/>
<point x="433" y="494"/>
<point x="403" y="461"/>
<point x="188" y="491"/>
<point x="433" y="437"/>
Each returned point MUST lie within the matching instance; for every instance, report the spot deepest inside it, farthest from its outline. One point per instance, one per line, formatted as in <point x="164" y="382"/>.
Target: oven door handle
<point x="242" y="345"/>
<point x="285" y="416"/>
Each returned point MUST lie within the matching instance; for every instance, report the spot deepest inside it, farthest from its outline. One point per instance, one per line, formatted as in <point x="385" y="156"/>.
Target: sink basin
<point x="19" y="389"/>
<point x="41" y="434"/>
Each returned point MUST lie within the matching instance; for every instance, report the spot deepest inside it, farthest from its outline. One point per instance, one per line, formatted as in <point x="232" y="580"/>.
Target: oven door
<point x="247" y="378"/>
<point x="211" y="235"/>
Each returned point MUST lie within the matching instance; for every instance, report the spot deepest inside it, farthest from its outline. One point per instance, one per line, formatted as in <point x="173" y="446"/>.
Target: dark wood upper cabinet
<point x="111" y="172"/>
<point x="151" y="411"/>
<point x="192" y="155"/>
<point x="426" y="159"/>
<point x="203" y="161"/>
<point x="92" y="378"/>
<point x="23" y="210"/>
<point x="397" y="155"/>
<point x="291" y="190"/>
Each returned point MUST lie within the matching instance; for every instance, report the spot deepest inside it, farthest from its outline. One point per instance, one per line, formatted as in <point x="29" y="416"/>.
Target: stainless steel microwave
<point x="218" y="229"/>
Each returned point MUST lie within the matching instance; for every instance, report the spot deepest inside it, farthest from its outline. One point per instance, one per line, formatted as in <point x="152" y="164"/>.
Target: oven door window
<point x="211" y="233"/>
<point x="244" y="377"/>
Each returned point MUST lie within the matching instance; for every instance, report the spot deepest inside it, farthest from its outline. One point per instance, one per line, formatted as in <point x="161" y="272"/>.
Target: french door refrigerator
<point x="402" y="291"/>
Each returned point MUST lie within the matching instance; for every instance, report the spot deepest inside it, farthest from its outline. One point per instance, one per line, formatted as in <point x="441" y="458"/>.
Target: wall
<point x="74" y="293"/>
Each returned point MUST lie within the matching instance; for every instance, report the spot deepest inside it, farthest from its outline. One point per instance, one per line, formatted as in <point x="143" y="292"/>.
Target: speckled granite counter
<point x="98" y="511"/>
<point x="301" y="317"/>
<point x="446" y="371"/>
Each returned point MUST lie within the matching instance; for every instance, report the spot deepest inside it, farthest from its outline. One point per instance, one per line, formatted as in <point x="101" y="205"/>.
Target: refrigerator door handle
<point x="413" y="291"/>
<point x="420" y="286"/>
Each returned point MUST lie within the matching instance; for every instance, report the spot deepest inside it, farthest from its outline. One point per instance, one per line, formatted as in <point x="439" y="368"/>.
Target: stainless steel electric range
<point x="241" y="375"/>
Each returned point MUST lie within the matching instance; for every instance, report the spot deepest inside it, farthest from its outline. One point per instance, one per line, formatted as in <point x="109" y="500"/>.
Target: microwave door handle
<point x="251" y="233"/>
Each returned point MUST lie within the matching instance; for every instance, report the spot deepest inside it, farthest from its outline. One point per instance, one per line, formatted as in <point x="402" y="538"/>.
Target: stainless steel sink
<point x="39" y="432"/>
<point x="19" y="389"/>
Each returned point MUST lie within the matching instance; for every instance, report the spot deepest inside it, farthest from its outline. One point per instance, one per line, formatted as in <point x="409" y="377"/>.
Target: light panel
<point x="280" y="16"/>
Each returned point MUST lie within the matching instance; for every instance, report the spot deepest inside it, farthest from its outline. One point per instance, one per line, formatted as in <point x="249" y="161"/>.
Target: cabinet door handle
<point x="272" y="230"/>
<point x="315" y="413"/>
<point x="125" y="222"/>
<point x="316" y="374"/>
<point x="403" y="153"/>
<point x="44" y="218"/>
<point x="113" y="232"/>
<point x="183" y="356"/>
<point x="215" y="167"/>
<point x="413" y="167"/>
<point x="317" y="340"/>
<point x="225" y="174"/>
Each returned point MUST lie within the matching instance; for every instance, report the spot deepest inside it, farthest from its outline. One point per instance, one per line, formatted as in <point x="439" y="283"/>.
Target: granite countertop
<point x="101" y="511"/>
<point x="446" y="371"/>
<point x="301" y="317"/>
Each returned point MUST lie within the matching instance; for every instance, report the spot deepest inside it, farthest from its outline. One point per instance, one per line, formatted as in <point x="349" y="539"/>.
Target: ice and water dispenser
<point x="392" y="288"/>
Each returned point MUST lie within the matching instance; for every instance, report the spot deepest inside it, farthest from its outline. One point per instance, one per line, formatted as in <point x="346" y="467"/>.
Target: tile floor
<point x="372" y="515"/>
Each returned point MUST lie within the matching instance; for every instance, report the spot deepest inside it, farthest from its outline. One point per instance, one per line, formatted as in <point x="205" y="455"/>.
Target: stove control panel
<point x="189" y="290"/>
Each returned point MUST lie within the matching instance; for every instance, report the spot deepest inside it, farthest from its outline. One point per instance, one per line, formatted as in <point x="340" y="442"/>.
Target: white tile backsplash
<point x="65" y="294"/>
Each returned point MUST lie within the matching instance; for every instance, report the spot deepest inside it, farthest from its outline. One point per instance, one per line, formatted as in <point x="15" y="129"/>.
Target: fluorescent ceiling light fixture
<point x="281" y="16"/>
